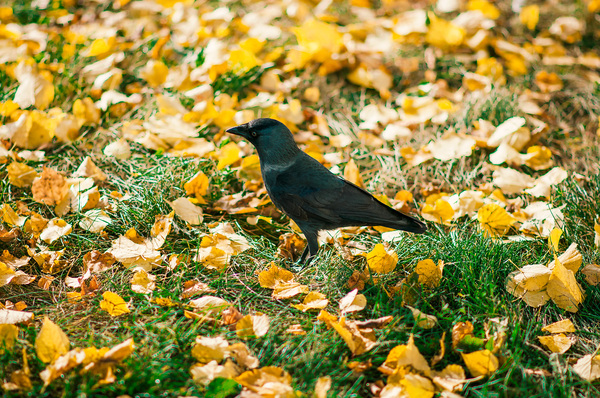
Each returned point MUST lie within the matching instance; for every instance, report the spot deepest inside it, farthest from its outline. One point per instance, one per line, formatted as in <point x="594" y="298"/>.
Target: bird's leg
<point x="304" y="254"/>
<point x="311" y="249"/>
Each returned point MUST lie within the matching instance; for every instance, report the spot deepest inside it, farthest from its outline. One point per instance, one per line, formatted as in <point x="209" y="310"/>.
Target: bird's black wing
<point x="307" y="191"/>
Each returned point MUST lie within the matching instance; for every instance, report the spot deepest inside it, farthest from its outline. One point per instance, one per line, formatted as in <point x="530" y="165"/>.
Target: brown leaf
<point x="460" y="331"/>
<point x="290" y="246"/>
<point x="50" y="187"/>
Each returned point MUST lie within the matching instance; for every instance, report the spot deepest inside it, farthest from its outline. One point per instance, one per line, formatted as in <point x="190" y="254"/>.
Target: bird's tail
<point x="405" y="223"/>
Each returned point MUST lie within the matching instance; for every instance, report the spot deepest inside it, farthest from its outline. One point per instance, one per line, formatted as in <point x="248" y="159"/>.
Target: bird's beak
<point x="241" y="130"/>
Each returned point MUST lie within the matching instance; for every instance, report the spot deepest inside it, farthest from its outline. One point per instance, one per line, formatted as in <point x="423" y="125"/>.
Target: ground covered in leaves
<point x="141" y="256"/>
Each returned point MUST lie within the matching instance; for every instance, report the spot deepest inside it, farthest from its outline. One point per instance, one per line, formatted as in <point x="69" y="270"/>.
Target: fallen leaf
<point x="253" y="326"/>
<point x="188" y="211"/>
<point x="430" y="273"/>
<point x="20" y="174"/>
<point x="494" y="220"/>
<point x="423" y="320"/>
<point x="480" y="363"/>
<point x="50" y="187"/>
<point x="592" y="274"/>
<point x="588" y="367"/>
<point x="563" y="289"/>
<point x="55" y="229"/>
<point x="564" y="326"/>
<point x="381" y="260"/>
<point x="312" y="301"/>
<point x="407" y="355"/>
<point x="51" y="342"/>
<point x="558" y="343"/>
<point x="8" y="336"/>
<point x="113" y="304"/>
<point x="143" y="282"/>
<point x="353" y="302"/>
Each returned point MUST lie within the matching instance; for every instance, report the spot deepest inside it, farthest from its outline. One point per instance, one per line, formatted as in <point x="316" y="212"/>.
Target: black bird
<point x="311" y="195"/>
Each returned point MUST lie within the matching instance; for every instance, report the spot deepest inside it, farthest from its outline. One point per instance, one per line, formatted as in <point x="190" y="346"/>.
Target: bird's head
<point x="270" y="137"/>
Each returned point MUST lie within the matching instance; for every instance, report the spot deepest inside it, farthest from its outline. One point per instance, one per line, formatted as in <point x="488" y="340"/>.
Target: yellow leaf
<point x="273" y="276"/>
<point x="228" y="155"/>
<point x="241" y="59"/>
<point x="548" y="82"/>
<point x="10" y="217"/>
<point x="558" y="343"/>
<point x="287" y="290"/>
<point x="312" y="301"/>
<point x="554" y="238"/>
<point x="86" y="111"/>
<point x="378" y="78"/>
<point x="252" y="326"/>
<point x="208" y="349"/>
<point x="187" y="211"/>
<point x="430" y="273"/>
<point x="113" y="304"/>
<point x="417" y="386"/>
<point x="440" y="212"/>
<point x="269" y="381"/>
<point x="101" y="47"/>
<point x="597" y="232"/>
<point x="51" y="342"/>
<point x="423" y="320"/>
<point x="20" y="174"/>
<point x="539" y="157"/>
<point x="143" y="282"/>
<point x="353" y="302"/>
<point x="480" y="363"/>
<point x="444" y="34"/>
<point x="352" y="174"/>
<point x="452" y="378"/>
<point x="486" y="8"/>
<point x="55" y="229"/>
<point x="357" y="342"/>
<point x="312" y="94"/>
<point x="8" y="336"/>
<point x="407" y="355"/>
<point x="571" y="259"/>
<point x="494" y="220"/>
<point x="563" y="289"/>
<point x="381" y="260"/>
<point x="318" y="40"/>
<point x="530" y="15"/>
<point x="197" y="185"/>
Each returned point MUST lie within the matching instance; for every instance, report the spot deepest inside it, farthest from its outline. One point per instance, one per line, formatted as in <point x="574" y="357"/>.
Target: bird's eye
<point x="253" y="133"/>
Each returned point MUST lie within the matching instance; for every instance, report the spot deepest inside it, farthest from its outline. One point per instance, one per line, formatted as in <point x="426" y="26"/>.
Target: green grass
<point x="472" y="288"/>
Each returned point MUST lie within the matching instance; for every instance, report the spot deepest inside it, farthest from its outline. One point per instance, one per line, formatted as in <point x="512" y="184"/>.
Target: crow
<point x="310" y="194"/>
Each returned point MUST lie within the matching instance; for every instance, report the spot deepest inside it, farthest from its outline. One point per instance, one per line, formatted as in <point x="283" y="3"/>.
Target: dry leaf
<point x="494" y="220"/>
<point x="563" y="289"/>
<point x="51" y="342"/>
<point x="188" y="211"/>
<point x="253" y="326"/>
<point x="588" y="367"/>
<point x="430" y="273"/>
<point x="423" y="320"/>
<point x="381" y="260"/>
<point x="564" y="326"/>
<point x="113" y="304"/>
<point x="353" y="302"/>
<point x="481" y="363"/>
<point x="50" y="187"/>
<point x="558" y="343"/>
<point x="312" y="301"/>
